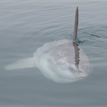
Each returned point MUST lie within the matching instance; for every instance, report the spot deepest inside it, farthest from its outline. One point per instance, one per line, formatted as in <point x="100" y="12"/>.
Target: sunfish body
<point x="61" y="61"/>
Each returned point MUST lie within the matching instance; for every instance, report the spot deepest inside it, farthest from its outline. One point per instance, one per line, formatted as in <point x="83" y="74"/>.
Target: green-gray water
<point x="26" y="26"/>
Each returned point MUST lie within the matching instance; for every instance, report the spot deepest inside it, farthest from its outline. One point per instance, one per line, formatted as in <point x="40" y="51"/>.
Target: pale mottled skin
<point x="59" y="57"/>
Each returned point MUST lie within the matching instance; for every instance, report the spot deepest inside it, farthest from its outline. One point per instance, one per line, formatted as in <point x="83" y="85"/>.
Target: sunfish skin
<point x="61" y="61"/>
<point x="58" y="63"/>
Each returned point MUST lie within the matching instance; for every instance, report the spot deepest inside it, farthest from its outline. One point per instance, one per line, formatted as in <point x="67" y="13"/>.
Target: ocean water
<point x="27" y="25"/>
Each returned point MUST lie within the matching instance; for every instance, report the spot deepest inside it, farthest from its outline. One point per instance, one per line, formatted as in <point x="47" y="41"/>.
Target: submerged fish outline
<point x="61" y="61"/>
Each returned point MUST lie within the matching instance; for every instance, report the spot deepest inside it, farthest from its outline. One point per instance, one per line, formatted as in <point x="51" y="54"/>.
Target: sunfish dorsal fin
<point x="76" y="25"/>
<point x="76" y="48"/>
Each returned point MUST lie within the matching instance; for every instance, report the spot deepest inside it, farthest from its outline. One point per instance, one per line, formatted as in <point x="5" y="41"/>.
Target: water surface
<point x="26" y="26"/>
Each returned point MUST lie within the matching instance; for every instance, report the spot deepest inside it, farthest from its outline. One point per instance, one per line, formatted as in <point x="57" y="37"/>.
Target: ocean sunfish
<point x="61" y="61"/>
